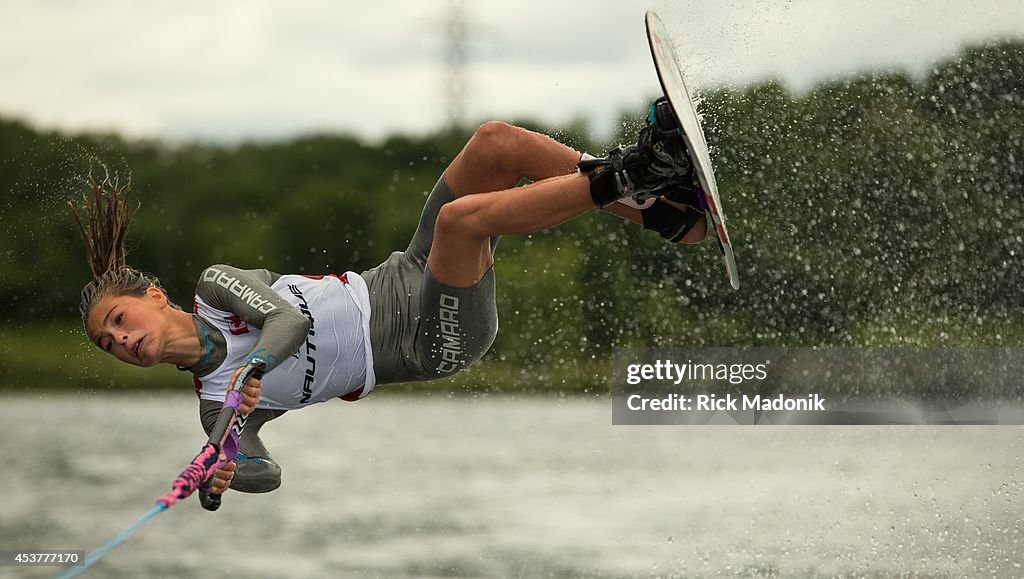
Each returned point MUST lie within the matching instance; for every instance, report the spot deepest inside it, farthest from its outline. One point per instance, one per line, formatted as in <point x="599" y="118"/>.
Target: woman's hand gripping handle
<point x="241" y="399"/>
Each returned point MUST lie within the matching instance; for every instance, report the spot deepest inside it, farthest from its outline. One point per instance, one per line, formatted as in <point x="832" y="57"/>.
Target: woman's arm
<point x="257" y="472"/>
<point x="246" y="293"/>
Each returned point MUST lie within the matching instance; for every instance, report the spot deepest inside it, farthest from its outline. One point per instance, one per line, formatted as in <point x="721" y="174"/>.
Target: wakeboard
<point x="671" y="77"/>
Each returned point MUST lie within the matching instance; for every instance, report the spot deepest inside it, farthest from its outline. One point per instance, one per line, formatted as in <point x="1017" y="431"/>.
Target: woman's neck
<point x="182" y="347"/>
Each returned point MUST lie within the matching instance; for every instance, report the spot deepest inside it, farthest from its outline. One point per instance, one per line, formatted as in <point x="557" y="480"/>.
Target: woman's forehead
<point x="99" y="311"/>
<point x="102" y="308"/>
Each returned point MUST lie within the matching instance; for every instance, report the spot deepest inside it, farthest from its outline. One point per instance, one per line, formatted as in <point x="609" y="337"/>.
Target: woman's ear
<point x="157" y="295"/>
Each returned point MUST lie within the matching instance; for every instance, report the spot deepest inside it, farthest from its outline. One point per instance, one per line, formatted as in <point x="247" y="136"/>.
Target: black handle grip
<point x="209" y="501"/>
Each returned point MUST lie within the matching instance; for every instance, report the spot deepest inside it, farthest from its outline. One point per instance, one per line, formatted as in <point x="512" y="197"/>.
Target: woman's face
<point x="131" y="328"/>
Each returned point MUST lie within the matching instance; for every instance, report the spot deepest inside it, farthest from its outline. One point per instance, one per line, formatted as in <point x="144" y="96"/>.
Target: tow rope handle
<point x="227" y="432"/>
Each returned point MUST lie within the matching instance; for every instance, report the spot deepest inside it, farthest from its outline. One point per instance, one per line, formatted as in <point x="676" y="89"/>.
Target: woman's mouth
<point x="138" y="346"/>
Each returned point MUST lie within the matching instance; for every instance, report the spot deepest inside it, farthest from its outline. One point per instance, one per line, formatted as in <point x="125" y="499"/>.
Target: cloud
<point x="253" y="69"/>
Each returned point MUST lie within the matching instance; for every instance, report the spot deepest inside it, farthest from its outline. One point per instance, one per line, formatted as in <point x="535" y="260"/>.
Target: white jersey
<point x="335" y="361"/>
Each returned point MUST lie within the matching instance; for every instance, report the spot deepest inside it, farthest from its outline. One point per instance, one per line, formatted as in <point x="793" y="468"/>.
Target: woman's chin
<point x="144" y="361"/>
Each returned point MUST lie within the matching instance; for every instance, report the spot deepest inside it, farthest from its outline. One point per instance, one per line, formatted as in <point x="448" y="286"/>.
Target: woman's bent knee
<point x="495" y="144"/>
<point x="490" y="161"/>
<point x="459" y="218"/>
<point x="494" y="133"/>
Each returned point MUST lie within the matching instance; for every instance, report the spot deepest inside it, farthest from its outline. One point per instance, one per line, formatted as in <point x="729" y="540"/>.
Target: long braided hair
<point x="108" y="213"/>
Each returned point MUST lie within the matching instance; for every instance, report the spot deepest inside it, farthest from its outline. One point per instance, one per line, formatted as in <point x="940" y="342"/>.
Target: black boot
<point x="665" y="137"/>
<point x="656" y="165"/>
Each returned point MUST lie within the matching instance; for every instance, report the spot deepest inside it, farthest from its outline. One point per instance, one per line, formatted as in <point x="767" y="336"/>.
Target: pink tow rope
<point x="199" y="473"/>
<point x="192" y="478"/>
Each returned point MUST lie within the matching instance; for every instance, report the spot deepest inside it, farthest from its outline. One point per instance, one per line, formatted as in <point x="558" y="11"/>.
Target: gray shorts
<point x="421" y="329"/>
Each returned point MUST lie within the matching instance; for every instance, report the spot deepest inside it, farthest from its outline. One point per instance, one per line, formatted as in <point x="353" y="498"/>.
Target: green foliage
<point x="875" y="210"/>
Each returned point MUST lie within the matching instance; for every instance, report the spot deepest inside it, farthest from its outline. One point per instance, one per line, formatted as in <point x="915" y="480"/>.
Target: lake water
<point x="430" y="486"/>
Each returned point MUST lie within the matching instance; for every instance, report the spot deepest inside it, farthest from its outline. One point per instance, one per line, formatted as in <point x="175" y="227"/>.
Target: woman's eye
<point x="119" y="318"/>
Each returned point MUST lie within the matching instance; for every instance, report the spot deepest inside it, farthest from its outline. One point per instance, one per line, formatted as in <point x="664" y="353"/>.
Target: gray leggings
<point x="421" y="329"/>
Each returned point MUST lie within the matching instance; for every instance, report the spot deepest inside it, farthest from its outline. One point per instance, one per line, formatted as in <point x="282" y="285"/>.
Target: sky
<point x="236" y="70"/>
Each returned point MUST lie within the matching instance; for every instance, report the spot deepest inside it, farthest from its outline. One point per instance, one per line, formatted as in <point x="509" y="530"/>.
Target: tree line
<point x="875" y="209"/>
